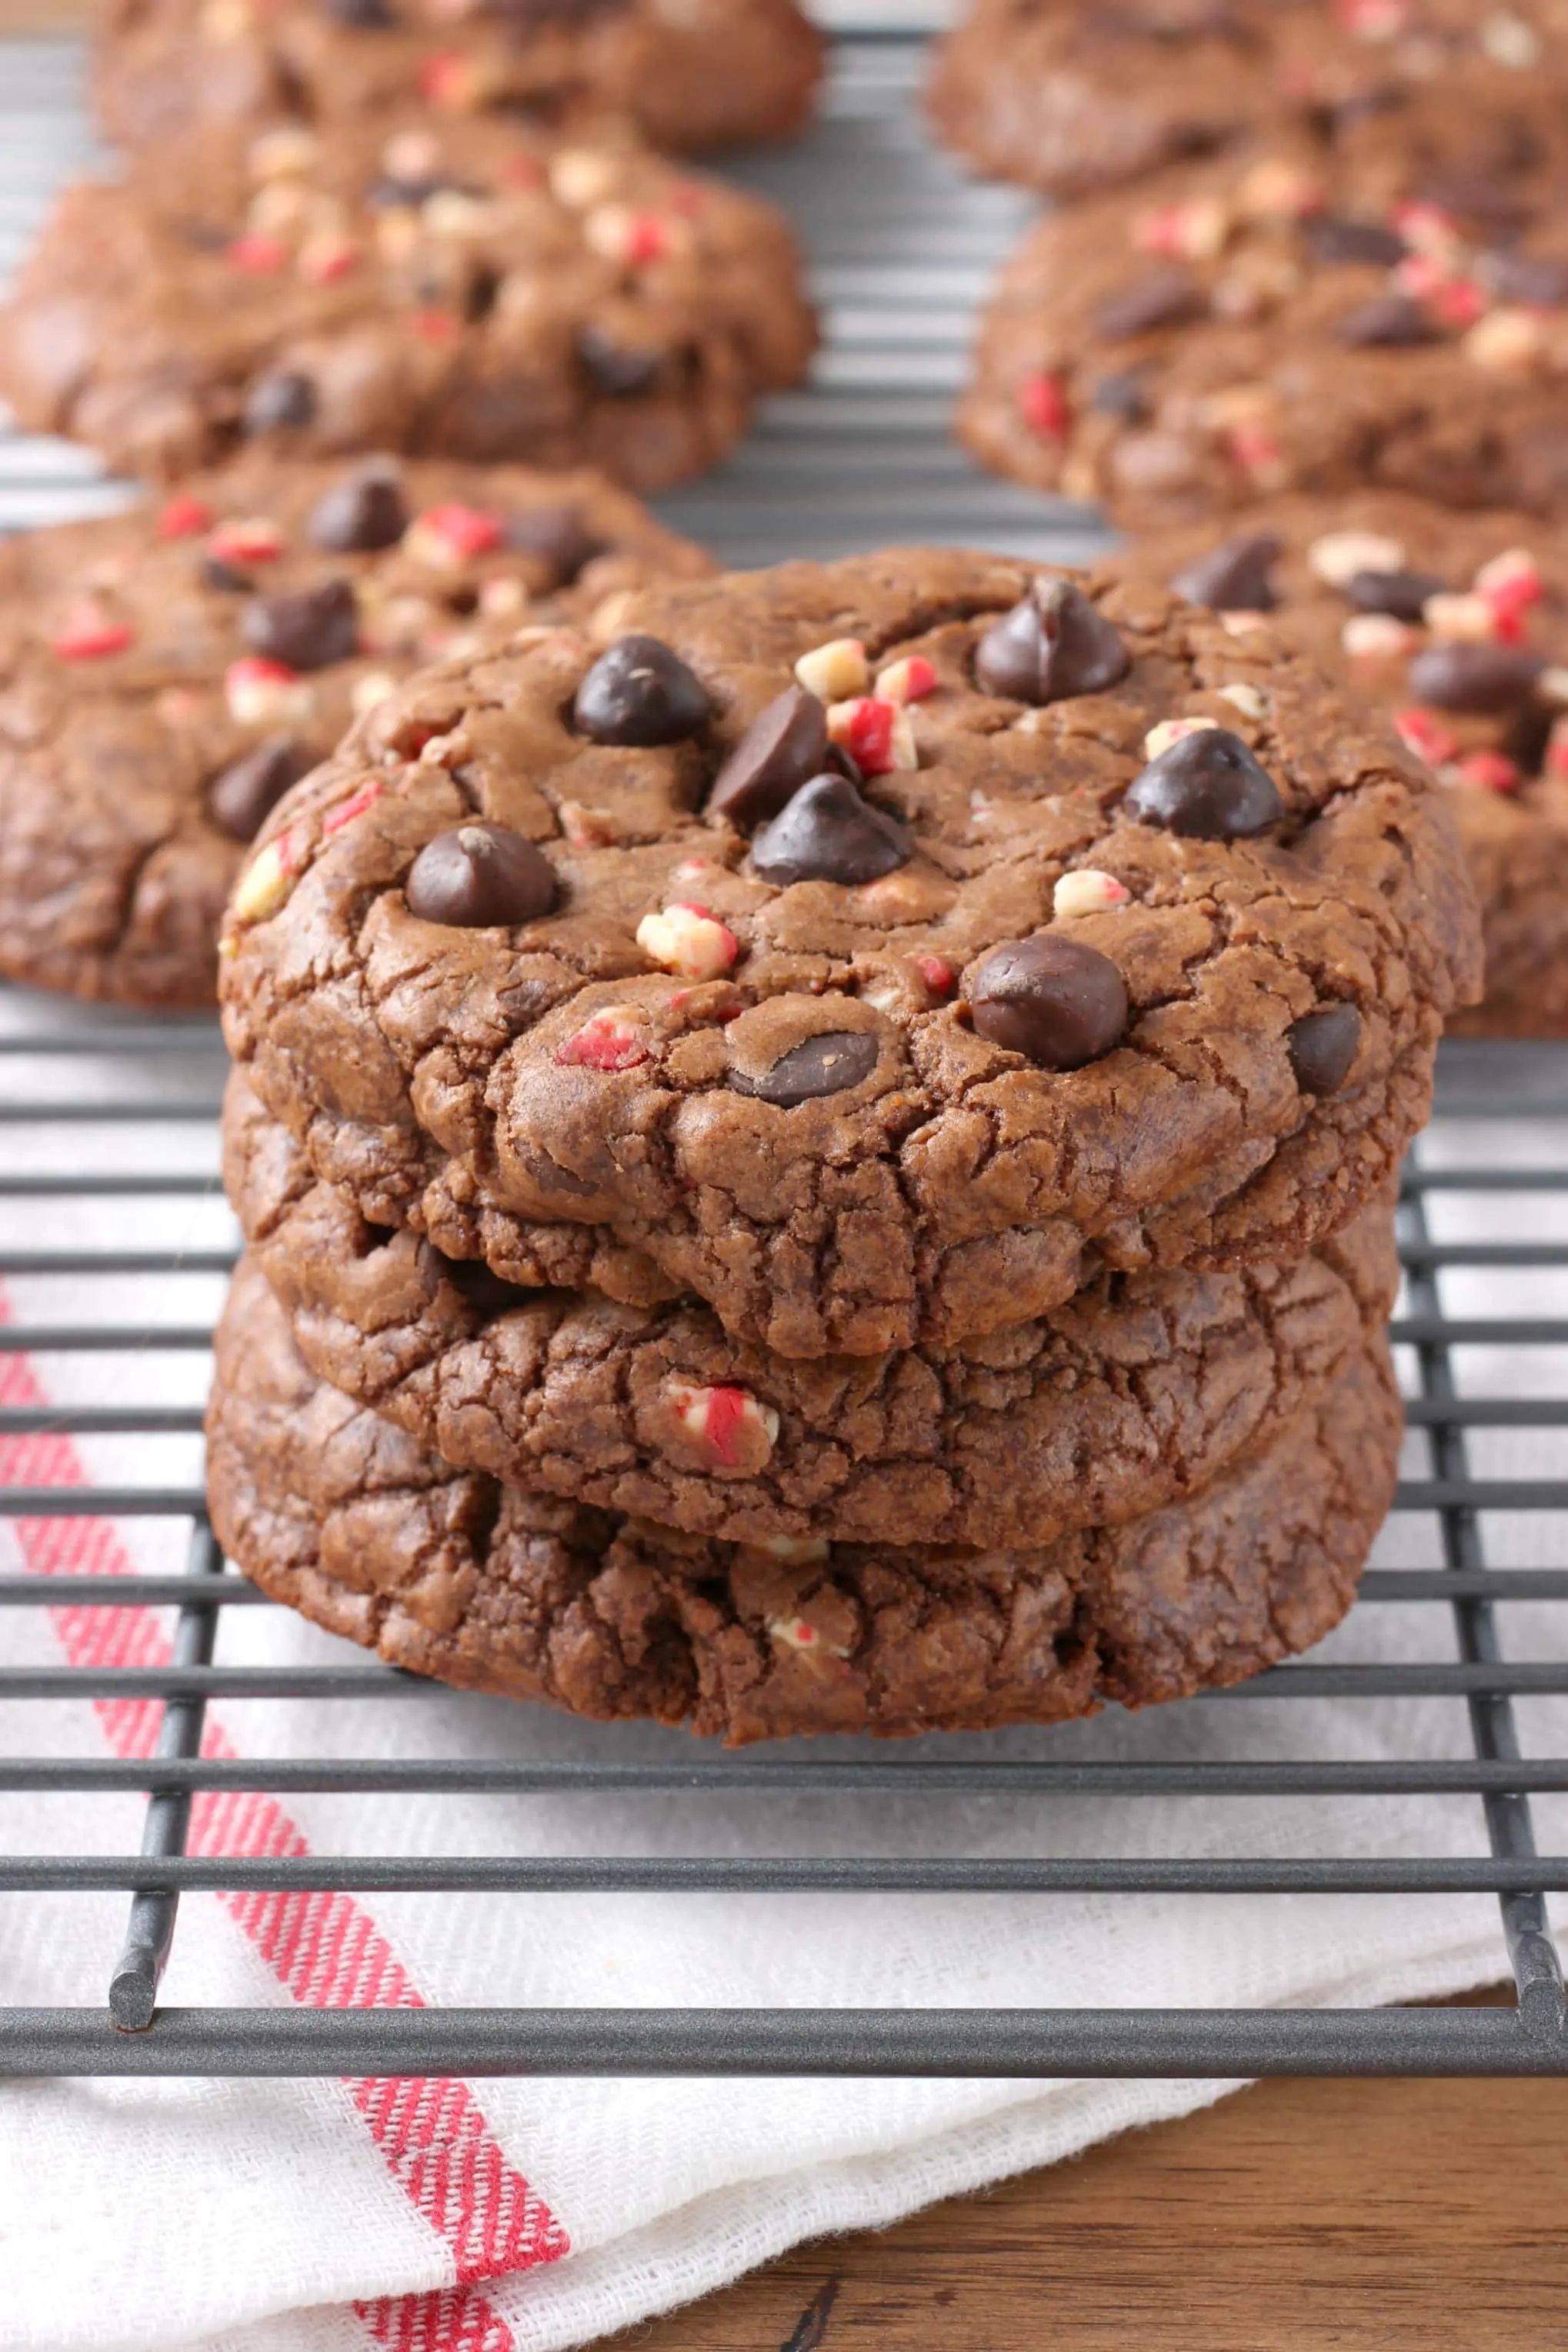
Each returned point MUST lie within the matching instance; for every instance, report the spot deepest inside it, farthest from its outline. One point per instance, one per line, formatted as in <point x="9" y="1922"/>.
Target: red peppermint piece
<point x="1490" y="772"/>
<point x="525" y="172"/>
<point x="446" y="80"/>
<point x="1043" y="401"/>
<point x="89" y="634"/>
<point x="937" y="973"/>
<point x="251" y="539"/>
<point x="438" y="327"/>
<point x="730" y="1426"/>
<point x="1426" y="735"/>
<point x="1557" y="750"/>
<point x="863" y="729"/>
<point x="462" y="531"/>
<point x="256" y="255"/>
<point x="355" y="805"/>
<point x="183" y="517"/>
<point x="1459" y="302"/>
<point x="607" y="1041"/>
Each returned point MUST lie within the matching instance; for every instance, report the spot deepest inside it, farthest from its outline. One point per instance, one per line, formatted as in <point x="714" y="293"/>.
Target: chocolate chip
<point x="617" y="370"/>
<point x="389" y="193"/>
<point x="785" y="746"/>
<point x="1165" y="298"/>
<point x="1401" y="594"/>
<point x="250" y="788"/>
<point x="1121" y="394"/>
<point x="363" y="16"/>
<point x="1331" y="240"/>
<point x="1206" y="786"/>
<point x="1054" y="1001"/>
<point x="641" y="692"/>
<point x="363" y="513"/>
<point x="226" y="578"/>
<point x="828" y="1064"/>
<point x="558" y="536"/>
<point x="1322" y="1046"/>
<point x="1522" y="278"/>
<point x="1235" y="578"/>
<point x="1388" y="322"/>
<point x="828" y="833"/>
<point x="286" y="398"/>
<point x="1474" y="678"/>
<point x="1052" y="645"/>
<point x="308" y="630"/>
<point x="478" y="875"/>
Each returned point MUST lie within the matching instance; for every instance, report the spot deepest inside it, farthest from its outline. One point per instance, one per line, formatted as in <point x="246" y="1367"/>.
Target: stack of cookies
<point x="1303" y="328"/>
<point x="762" y="1216"/>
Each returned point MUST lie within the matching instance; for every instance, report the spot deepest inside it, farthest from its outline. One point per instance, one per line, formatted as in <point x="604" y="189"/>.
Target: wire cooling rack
<point x="108" y="1189"/>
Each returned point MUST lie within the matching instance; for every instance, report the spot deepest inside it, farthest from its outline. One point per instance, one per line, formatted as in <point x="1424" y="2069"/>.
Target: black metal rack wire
<point x="900" y="246"/>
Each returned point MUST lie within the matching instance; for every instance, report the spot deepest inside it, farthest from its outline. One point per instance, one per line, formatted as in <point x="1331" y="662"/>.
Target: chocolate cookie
<point x="166" y="673"/>
<point x="465" y="291"/>
<point x="905" y="941"/>
<point x="705" y="73"/>
<point x="1138" y="1390"/>
<point x="1079" y="96"/>
<point x="1458" y="624"/>
<point x="350" y="1521"/>
<point x="1288" y="319"/>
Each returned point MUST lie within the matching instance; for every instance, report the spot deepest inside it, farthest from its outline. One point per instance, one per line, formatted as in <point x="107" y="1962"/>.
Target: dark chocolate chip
<point x="1521" y="277"/>
<point x="274" y="400"/>
<point x="1165" y="298"/>
<point x="1474" y="678"/>
<point x="1057" y="1001"/>
<point x="363" y="16"/>
<point x="250" y="788"/>
<point x="526" y="15"/>
<point x="1401" y="594"/>
<point x="828" y="833"/>
<point x="389" y="193"/>
<point x="641" y="692"/>
<point x="478" y="875"/>
<point x="617" y="370"/>
<point x="1331" y="239"/>
<point x="828" y="1064"/>
<point x="308" y="630"/>
<point x="1235" y="578"/>
<point x="558" y="536"/>
<point x="1483" y="200"/>
<point x="1388" y="322"/>
<point x="1121" y="394"/>
<point x="364" y="512"/>
<point x="227" y="578"/>
<point x="1051" y="646"/>
<point x="1206" y="786"/>
<point x="785" y="746"/>
<point x="1322" y="1046"/>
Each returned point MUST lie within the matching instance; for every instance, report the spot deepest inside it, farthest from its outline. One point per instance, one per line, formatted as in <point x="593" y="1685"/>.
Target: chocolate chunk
<point x="1121" y="394"/>
<point x="478" y="874"/>
<point x="1401" y="594"/>
<point x="828" y="833"/>
<point x="558" y="536"/>
<point x="250" y="788"/>
<point x="1056" y="1001"/>
<point x="641" y="692"/>
<point x="1166" y="298"/>
<point x="617" y="370"/>
<point x="363" y="513"/>
<point x="1322" y="1046"/>
<point x="1389" y="321"/>
<point x="785" y="746"/>
<point x="1206" y="786"/>
<point x="226" y="578"/>
<point x="1474" y="678"/>
<point x="309" y="630"/>
<point x="828" y="1064"/>
<point x="1521" y="277"/>
<point x="286" y="398"/>
<point x="1235" y="578"/>
<point x="363" y="16"/>
<point x="1331" y="240"/>
<point x="1051" y="646"/>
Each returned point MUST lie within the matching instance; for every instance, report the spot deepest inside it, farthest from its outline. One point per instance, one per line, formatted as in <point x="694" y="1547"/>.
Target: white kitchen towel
<point x="316" y="2217"/>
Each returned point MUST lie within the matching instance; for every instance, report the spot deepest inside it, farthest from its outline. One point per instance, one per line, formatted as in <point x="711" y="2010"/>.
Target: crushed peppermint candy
<point x="256" y="255"/>
<point x="686" y="940"/>
<point x="1338" y="555"/>
<point x="731" y="1426"/>
<point x="1426" y="735"/>
<point x="183" y="517"/>
<point x="90" y="634"/>
<point x="355" y="805"/>
<point x="877" y="735"/>
<point x="1042" y="403"/>
<point x="453" y="533"/>
<point x="247" y="539"/>
<point x="262" y="693"/>
<point x="909" y="680"/>
<point x="1488" y="772"/>
<point x="606" y="1041"/>
<point x="1088" y="891"/>
<point x="835" y="672"/>
<point x="620" y="233"/>
<point x="1172" y="730"/>
<point x="267" y="881"/>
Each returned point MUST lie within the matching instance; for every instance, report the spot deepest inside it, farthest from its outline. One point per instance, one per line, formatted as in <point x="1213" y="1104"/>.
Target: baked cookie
<point x="876" y="938"/>
<point x="688" y="73"/>
<point x="458" y="289"/>
<point x="1458" y="624"/>
<point x="1137" y="1392"/>
<point x="166" y="673"/>
<point x="1290" y="320"/>
<point x="1075" y="97"/>
<point x="352" y="1522"/>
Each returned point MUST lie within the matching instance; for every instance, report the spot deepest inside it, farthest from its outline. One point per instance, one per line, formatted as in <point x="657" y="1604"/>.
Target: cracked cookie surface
<point x="1137" y="1392"/>
<point x="470" y="290"/>
<point x="348" y="1520"/>
<point x="835" y="1108"/>
<point x="1457" y="624"/>
<point x="1290" y="319"/>
<point x="143" y="737"/>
